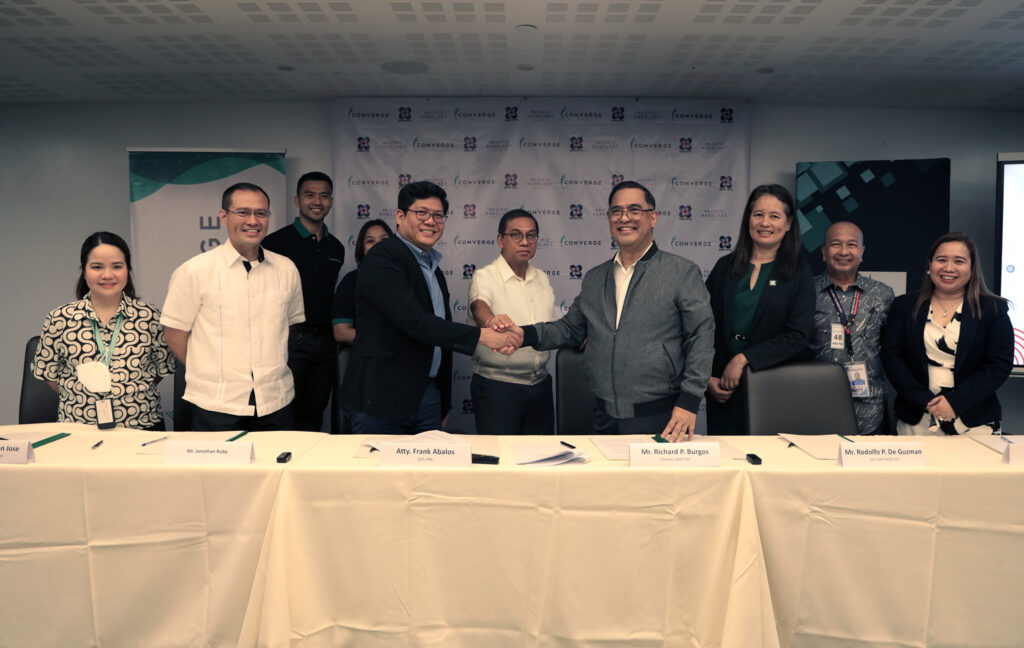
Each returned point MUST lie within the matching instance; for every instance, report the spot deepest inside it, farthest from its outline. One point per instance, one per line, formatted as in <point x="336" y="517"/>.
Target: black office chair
<point x="182" y="408"/>
<point x="574" y="402"/>
<point x="38" y="401"/>
<point x="340" y="423"/>
<point x="799" y="398"/>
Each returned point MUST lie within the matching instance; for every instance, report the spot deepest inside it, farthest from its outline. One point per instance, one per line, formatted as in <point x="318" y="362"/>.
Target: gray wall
<point x="64" y="174"/>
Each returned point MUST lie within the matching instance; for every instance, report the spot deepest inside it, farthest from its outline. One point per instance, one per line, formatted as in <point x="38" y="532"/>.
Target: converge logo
<point x="461" y="114"/>
<point x="640" y="145"/>
<point x="589" y="182"/>
<point x="367" y="182"/>
<point x="353" y="113"/>
<point x="580" y="115"/>
<point x="567" y="242"/>
<point x="436" y="145"/>
<point x="684" y="243"/>
<point x="538" y="144"/>
<point x="688" y="182"/>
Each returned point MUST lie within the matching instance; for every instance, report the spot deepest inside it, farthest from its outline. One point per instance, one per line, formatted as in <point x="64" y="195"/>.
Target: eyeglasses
<point x="634" y="211"/>
<point x="517" y="237"/>
<point x="246" y="213"/>
<point x="423" y="215"/>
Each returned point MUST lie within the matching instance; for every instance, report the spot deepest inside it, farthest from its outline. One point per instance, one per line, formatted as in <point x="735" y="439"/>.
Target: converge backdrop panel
<point x="556" y="157"/>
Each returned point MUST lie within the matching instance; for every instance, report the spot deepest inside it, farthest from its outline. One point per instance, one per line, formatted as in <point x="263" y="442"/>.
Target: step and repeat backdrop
<point x="558" y="159"/>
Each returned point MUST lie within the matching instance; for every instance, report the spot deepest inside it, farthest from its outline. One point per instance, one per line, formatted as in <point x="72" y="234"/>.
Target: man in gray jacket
<point x="648" y="322"/>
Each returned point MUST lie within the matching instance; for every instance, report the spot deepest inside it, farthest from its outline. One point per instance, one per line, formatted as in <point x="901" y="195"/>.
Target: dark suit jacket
<point x="783" y="323"/>
<point x="396" y="335"/>
<point x="984" y="358"/>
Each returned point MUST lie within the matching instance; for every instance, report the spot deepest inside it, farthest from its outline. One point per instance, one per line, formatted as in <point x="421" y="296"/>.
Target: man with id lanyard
<point x="848" y="316"/>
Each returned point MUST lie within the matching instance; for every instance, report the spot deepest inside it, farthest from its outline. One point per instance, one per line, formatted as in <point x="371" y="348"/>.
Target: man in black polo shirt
<point x="319" y="257"/>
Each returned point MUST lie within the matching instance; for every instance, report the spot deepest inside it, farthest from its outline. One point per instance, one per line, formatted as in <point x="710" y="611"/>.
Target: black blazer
<point x="984" y="358"/>
<point x="396" y="334"/>
<point x="783" y="323"/>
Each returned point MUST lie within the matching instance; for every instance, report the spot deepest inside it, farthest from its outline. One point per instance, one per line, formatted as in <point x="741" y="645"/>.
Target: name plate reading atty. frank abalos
<point x="693" y="454"/>
<point x="426" y="455"/>
<point x="190" y="452"/>
<point x="896" y="454"/>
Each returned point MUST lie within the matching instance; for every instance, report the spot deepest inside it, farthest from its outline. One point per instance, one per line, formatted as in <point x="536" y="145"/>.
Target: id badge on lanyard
<point x="95" y="376"/>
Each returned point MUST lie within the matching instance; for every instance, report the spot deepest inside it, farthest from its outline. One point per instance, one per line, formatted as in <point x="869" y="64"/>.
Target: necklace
<point x="946" y="307"/>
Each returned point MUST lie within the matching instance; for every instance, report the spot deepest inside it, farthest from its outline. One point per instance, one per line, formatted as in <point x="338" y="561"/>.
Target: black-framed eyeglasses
<point x="246" y="213"/>
<point x="634" y="211"/>
<point x="517" y="237"/>
<point x="423" y="215"/>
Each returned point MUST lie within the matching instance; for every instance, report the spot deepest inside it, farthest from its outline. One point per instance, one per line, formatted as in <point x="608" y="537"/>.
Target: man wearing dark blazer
<point x="398" y="379"/>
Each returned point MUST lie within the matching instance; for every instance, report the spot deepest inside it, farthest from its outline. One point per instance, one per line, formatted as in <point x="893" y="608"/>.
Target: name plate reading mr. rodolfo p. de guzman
<point x="675" y="455"/>
<point x="881" y="455"/>
<point x="209" y="452"/>
<point x="426" y="455"/>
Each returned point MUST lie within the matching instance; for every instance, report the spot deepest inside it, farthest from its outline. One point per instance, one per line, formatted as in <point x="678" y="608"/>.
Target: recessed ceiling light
<point x="765" y="70"/>
<point x="525" y="67"/>
<point x="285" y="68"/>
<point x="405" y="67"/>
<point x="526" y="27"/>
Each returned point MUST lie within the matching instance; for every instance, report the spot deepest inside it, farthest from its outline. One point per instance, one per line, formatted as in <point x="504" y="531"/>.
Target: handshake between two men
<point x="501" y="335"/>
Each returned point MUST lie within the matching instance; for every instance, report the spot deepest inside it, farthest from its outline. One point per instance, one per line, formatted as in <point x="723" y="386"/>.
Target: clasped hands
<point x="501" y="335"/>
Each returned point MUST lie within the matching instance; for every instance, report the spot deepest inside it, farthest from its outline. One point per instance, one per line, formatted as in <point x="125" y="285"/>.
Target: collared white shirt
<point x="622" y="277"/>
<point x="239" y="329"/>
<point x="526" y="301"/>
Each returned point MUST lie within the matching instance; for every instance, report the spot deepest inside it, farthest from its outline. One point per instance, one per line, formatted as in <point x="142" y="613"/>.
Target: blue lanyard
<point x="106" y="353"/>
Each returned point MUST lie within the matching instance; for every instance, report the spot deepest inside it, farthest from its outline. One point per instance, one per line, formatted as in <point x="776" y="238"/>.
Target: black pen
<point x="97" y="444"/>
<point x="568" y="445"/>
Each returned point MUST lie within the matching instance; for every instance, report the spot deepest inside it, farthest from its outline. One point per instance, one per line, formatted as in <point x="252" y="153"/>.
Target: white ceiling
<point x="920" y="53"/>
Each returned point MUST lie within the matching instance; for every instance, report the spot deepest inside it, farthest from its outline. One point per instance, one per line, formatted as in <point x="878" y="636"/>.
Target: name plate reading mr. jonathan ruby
<point x="195" y="453"/>
<point x="675" y="455"/>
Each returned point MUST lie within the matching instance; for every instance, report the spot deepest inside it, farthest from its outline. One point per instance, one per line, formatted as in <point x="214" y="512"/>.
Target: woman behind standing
<point x="106" y="348"/>
<point x="762" y="296"/>
<point x="344" y="316"/>
<point x="948" y="347"/>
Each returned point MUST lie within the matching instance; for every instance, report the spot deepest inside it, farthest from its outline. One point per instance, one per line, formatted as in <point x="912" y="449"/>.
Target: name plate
<point x="881" y="455"/>
<point x="426" y="455"/>
<point x="675" y="455"/>
<point x="1014" y="454"/>
<point x="16" y="452"/>
<point x="200" y="453"/>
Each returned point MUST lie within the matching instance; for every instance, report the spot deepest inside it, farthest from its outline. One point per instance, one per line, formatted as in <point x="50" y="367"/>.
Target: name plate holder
<point x="205" y="453"/>
<point x="426" y="455"/>
<point x="694" y="454"/>
<point x="897" y="454"/>
<point x="1014" y="453"/>
<point x="16" y="452"/>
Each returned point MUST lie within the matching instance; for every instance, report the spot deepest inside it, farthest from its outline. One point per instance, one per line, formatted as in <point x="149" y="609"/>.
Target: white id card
<point x="857" y="374"/>
<point x="94" y="376"/>
<point x="104" y="414"/>
<point x="838" y="337"/>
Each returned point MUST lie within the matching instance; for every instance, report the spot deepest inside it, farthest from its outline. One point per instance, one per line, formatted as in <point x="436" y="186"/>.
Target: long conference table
<point x="109" y="547"/>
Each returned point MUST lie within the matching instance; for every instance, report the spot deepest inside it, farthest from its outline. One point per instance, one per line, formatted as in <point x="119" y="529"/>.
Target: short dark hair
<point x="632" y="184"/>
<point x="362" y="236"/>
<point x="93" y="241"/>
<point x="313" y="176"/>
<point x="516" y="213"/>
<point x="225" y="200"/>
<point x="790" y="254"/>
<point x="421" y="190"/>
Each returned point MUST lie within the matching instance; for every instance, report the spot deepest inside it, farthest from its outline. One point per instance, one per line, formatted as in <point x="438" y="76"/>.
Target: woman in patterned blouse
<point x="948" y="347"/>
<point x="131" y="343"/>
